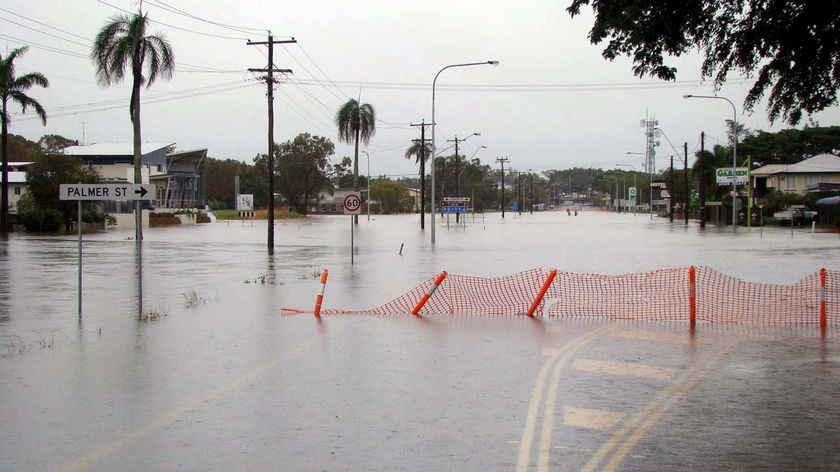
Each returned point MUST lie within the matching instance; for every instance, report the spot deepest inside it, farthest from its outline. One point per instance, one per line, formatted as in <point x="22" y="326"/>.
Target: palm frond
<point x="26" y="101"/>
<point x="27" y="81"/>
<point x="347" y="121"/>
<point x="161" y="59"/>
<point x="7" y="64"/>
<point x="107" y="55"/>
<point x="367" y="123"/>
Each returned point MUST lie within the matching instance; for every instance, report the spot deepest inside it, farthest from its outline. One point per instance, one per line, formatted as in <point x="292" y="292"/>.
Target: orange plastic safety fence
<point x="656" y="295"/>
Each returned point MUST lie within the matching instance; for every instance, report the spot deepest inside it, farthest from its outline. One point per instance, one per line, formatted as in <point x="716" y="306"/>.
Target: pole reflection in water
<point x="138" y="262"/>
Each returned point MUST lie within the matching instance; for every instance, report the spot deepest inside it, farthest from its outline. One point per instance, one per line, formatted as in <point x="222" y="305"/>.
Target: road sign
<point x="352" y="203"/>
<point x="112" y="192"/>
<point x="453" y="209"/>
<point x="245" y="202"/>
<point x="723" y="176"/>
<point x="455" y="201"/>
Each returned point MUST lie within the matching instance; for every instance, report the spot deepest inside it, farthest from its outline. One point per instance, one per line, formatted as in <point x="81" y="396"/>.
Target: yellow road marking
<point x="638" y="424"/>
<point x="625" y="368"/>
<point x="536" y="398"/>
<point x="544" y="451"/>
<point x="167" y="418"/>
<point x="600" y="420"/>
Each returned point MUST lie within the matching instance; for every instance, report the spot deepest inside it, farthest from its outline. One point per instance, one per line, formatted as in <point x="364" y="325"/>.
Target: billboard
<point x="723" y="176"/>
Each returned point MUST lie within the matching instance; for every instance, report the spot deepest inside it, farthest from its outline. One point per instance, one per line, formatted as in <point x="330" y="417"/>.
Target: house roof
<point x="819" y="164"/>
<point x="769" y="169"/>
<point x="113" y="149"/>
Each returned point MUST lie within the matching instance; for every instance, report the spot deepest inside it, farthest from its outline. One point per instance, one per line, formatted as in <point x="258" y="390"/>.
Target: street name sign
<point x="453" y="209"/>
<point x="112" y="192"/>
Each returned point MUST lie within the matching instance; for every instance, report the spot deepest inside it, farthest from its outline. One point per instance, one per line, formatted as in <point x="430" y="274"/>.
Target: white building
<point x="821" y="172"/>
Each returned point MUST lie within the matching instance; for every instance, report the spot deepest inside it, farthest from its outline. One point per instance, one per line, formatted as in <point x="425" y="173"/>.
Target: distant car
<point x="795" y="215"/>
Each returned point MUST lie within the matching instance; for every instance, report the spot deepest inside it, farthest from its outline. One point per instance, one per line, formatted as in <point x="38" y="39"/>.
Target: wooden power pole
<point x="269" y="82"/>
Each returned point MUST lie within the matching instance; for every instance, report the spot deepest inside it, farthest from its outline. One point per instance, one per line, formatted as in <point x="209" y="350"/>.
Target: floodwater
<point x="219" y="380"/>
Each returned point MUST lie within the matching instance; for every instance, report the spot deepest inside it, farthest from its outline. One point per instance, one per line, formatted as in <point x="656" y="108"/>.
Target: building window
<point x="17" y="191"/>
<point x="161" y="168"/>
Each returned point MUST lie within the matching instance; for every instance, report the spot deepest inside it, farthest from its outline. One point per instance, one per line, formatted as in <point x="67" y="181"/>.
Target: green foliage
<point x="791" y="145"/>
<point x="219" y="176"/>
<point x="356" y="121"/>
<point x="392" y="196"/>
<point x="302" y="167"/>
<point x="789" y="46"/>
<point x="54" y="144"/>
<point x="45" y="220"/>
<point x="13" y="91"/>
<point x="22" y="149"/>
<point x="47" y="173"/>
<point x="778" y="200"/>
<point x="92" y="217"/>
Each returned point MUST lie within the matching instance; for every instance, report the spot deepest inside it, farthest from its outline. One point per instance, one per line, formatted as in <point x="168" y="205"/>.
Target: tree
<point x="392" y="196"/>
<point x="48" y="172"/>
<point x="219" y="176"/>
<point x="302" y="169"/>
<point x="419" y="151"/>
<point x="54" y="144"/>
<point x="790" y="46"/>
<point x="22" y="149"/>
<point x="791" y="145"/>
<point x="13" y="90"/>
<point x="356" y="121"/>
<point x="123" y="42"/>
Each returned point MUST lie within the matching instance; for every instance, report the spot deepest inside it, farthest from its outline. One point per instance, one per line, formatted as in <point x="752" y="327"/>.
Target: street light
<point x="367" y="204"/>
<point x="734" y="155"/>
<point x="476" y="151"/>
<point x="634" y="183"/>
<point x="684" y="160"/>
<point x="434" y="83"/>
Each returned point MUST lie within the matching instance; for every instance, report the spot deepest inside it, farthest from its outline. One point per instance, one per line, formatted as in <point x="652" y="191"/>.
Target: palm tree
<point x="420" y="151"/>
<point x="354" y="121"/>
<point x="14" y="89"/>
<point x="121" y="43"/>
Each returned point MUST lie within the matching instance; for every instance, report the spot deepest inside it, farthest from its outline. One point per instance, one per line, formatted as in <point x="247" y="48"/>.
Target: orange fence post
<point x="428" y="294"/>
<point x="823" y="321"/>
<point x="692" y="298"/>
<point x="541" y="294"/>
<point x="320" y="296"/>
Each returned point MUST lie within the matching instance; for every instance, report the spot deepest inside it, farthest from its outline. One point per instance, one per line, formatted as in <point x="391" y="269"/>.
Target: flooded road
<point x="220" y="380"/>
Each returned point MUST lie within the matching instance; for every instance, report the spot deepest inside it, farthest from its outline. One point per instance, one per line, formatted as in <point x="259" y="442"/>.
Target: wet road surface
<point x="227" y="383"/>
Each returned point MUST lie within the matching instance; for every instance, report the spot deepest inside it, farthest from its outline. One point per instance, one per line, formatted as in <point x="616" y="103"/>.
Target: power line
<point x="44" y="24"/>
<point x="44" y="32"/>
<point x="173" y="26"/>
<point x="241" y="29"/>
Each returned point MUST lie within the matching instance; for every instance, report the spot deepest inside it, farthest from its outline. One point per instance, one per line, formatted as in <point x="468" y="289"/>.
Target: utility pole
<point x="531" y="186"/>
<point x="671" y="199"/>
<point x="423" y="140"/>
<point x="685" y="175"/>
<point x="519" y="192"/>
<point x="269" y="82"/>
<point x="502" y="160"/>
<point x="700" y="182"/>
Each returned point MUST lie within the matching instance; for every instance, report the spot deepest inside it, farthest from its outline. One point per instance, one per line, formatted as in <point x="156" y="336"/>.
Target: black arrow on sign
<point x="142" y="192"/>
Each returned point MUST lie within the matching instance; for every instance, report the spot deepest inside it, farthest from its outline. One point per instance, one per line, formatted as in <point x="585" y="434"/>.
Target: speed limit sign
<point x="353" y="203"/>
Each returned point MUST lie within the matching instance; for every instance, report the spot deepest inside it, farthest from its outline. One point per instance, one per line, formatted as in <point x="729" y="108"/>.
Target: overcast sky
<point x="552" y="103"/>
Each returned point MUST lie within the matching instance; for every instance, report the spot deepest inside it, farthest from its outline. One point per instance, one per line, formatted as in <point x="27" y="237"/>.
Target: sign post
<point x="352" y="205"/>
<point x="100" y="192"/>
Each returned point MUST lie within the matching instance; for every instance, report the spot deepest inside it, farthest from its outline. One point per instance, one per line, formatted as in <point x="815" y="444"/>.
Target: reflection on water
<point x="37" y="275"/>
<point x="231" y="373"/>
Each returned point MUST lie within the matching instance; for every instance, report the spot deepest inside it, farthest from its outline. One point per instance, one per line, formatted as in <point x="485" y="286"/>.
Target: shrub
<point x="42" y="220"/>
